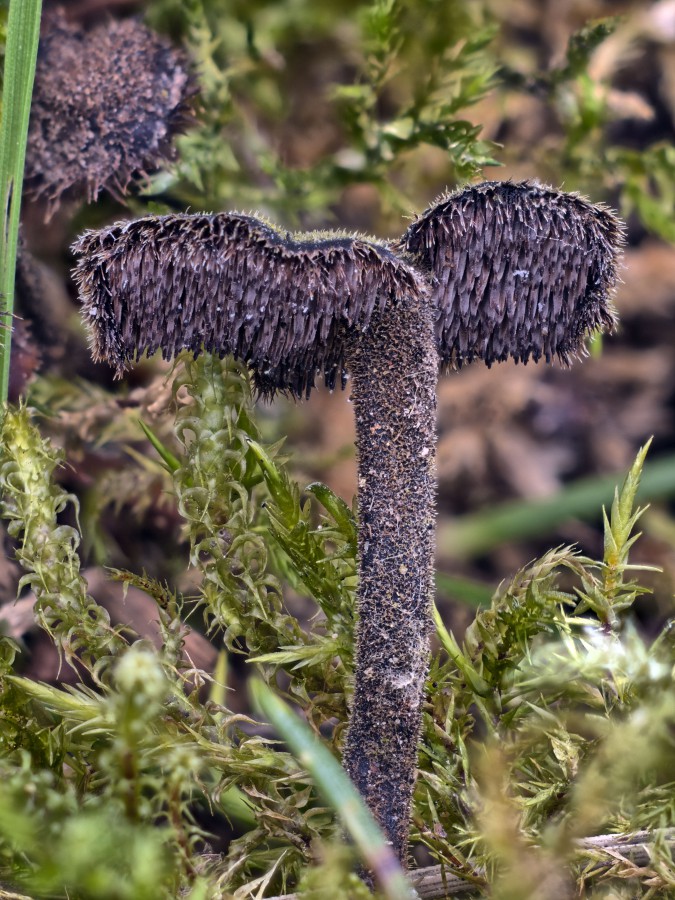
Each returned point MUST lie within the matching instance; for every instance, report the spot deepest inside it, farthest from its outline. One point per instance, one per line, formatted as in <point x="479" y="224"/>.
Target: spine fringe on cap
<point x="230" y="283"/>
<point x="517" y="270"/>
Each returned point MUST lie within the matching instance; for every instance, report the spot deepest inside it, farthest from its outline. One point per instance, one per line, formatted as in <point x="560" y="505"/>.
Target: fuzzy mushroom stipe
<point x="494" y="271"/>
<point x="394" y="368"/>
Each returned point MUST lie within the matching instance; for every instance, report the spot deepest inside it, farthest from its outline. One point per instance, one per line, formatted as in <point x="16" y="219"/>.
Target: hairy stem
<point x="394" y="368"/>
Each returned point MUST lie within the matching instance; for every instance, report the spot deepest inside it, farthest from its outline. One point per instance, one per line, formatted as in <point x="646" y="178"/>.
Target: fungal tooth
<point x="232" y="283"/>
<point x="507" y="245"/>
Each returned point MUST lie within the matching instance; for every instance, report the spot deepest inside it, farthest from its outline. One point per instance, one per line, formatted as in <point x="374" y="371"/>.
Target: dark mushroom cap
<point x="517" y="270"/>
<point x="230" y="283"/>
<point x="106" y="104"/>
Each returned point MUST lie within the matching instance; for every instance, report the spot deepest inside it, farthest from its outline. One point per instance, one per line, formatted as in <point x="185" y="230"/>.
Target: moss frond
<point x="32" y="504"/>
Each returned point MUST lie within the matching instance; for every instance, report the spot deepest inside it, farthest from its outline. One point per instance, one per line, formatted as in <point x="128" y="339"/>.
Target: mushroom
<point x="106" y="104"/>
<point x="515" y="271"/>
<point x="494" y="271"/>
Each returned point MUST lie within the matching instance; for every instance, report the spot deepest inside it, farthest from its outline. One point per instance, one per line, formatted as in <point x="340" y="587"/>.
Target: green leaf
<point x="476" y="533"/>
<point x="337" y="508"/>
<point x="332" y="781"/>
<point x="170" y="461"/>
<point x="477" y="684"/>
<point x="23" y="31"/>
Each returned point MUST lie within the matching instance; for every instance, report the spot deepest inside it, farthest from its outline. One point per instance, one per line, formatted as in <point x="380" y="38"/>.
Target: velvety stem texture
<point x="394" y="369"/>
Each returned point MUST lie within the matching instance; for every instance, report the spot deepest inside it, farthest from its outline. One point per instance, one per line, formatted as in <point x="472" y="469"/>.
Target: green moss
<point x="556" y="721"/>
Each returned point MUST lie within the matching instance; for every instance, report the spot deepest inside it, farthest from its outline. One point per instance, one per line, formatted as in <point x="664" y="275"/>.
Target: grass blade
<point x="478" y="533"/>
<point x="23" y="32"/>
<point x="332" y="781"/>
<point x="463" y="590"/>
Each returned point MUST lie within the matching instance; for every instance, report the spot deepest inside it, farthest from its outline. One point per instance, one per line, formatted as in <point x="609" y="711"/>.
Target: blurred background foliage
<point x="550" y="712"/>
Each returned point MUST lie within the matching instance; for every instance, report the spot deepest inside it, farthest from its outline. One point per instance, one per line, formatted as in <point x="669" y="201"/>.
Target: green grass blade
<point x="474" y="534"/>
<point x="171" y="462"/>
<point x="23" y="32"/>
<point x="475" y="681"/>
<point x="463" y="590"/>
<point x="332" y="781"/>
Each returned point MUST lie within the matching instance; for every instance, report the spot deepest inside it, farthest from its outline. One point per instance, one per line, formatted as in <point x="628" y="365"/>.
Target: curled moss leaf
<point x="213" y="490"/>
<point x="31" y="502"/>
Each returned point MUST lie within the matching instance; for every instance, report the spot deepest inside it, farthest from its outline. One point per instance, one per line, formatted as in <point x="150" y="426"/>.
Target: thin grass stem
<point x="23" y="32"/>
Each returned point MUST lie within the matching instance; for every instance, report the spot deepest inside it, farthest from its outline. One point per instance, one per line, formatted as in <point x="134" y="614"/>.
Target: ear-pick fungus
<point x="490" y="272"/>
<point x="106" y="105"/>
<point x="517" y="271"/>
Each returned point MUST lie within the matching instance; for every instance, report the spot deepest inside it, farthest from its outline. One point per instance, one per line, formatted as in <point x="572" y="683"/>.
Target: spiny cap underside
<point x="230" y="283"/>
<point x="105" y="106"/>
<point x="518" y="270"/>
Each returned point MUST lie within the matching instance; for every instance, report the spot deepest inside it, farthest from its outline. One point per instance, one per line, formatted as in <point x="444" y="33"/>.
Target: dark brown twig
<point x="604" y="851"/>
